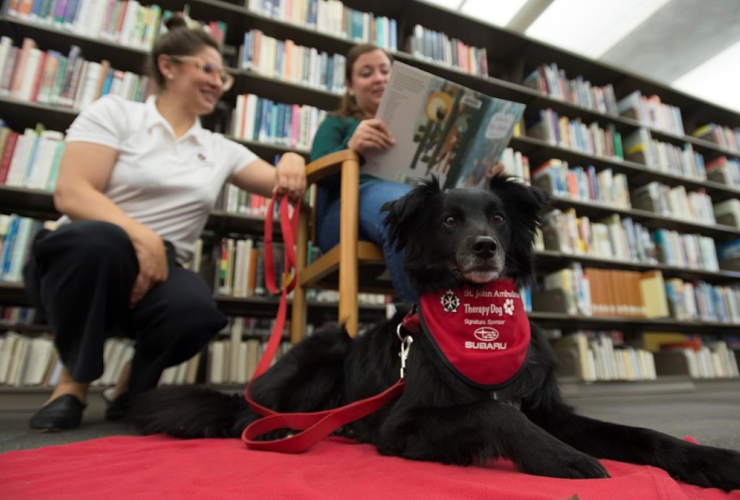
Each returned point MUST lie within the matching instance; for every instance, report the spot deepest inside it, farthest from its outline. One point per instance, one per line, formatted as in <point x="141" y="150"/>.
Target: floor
<point x="712" y="417"/>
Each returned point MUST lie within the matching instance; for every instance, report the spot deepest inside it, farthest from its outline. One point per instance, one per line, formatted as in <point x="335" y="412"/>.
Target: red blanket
<point x="157" y="467"/>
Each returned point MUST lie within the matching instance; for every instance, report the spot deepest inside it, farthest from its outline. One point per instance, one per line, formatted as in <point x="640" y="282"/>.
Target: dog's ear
<point x="524" y="206"/>
<point x="405" y="215"/>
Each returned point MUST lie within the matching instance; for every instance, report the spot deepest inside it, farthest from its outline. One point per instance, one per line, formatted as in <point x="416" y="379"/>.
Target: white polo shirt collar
<point x="154" y="117"/>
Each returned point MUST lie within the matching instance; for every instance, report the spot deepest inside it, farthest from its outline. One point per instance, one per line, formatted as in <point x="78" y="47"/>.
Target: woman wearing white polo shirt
<point x="136" y="184"/>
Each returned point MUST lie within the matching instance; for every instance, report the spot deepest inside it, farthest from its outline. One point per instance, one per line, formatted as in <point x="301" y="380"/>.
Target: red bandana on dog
<point x="481" y="334"/>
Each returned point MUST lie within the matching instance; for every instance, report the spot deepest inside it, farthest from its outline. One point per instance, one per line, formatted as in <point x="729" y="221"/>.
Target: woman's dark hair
<point x="348" y="106"/>
<point x="178" y="41"/>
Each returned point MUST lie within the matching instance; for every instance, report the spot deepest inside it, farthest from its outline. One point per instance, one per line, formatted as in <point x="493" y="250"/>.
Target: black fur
<point x="438" y="417"/>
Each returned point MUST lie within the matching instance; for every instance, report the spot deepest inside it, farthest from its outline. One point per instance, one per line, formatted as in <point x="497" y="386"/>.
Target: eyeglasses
<point x="209" y="69"/>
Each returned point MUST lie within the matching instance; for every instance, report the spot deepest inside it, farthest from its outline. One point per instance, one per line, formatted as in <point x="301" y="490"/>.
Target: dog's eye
<point x="450" y="221"/>
<point x="498" y="219"/>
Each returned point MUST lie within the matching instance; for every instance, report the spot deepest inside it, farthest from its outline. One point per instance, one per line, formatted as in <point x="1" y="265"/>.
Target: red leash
<point x="313" y="426"/>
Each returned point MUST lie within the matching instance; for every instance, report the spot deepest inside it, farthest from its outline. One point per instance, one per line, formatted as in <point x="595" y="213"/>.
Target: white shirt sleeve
<point x="239" y="156"/>
<point x="100" y="123"/>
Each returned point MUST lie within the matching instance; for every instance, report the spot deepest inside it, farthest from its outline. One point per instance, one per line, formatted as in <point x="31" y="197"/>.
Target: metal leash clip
<point x="405" y="348"/>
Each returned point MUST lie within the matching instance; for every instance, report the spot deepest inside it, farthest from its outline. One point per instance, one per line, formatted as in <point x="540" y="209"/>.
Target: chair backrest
<point x="348" y="163"/>
<point x="318" y="170"/>
<point x="348" y="256"/>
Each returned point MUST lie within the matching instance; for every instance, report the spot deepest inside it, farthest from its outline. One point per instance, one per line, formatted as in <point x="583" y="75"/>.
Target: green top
<point x="333" y="135"/>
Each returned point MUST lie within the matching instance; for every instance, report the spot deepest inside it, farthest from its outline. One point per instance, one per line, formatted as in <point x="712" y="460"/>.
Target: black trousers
<point x="81" y="277"/>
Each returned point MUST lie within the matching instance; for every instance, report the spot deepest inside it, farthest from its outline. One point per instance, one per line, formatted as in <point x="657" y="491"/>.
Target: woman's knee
<point x="182" y="330"/>
<point x="378" y="193"/>
<point x="90" y="241"/>
<point x="99" y="236"/>
<point x="373" y="196"/>
<point x="372" y="200"/>
<point x="193" y="318"/>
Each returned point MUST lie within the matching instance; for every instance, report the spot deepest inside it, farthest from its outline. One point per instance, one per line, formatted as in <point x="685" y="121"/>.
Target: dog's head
<point x="465" y="235"/>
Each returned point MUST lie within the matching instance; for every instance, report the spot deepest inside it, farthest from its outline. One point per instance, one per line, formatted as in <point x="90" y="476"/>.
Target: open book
<point x="441" y="128"/>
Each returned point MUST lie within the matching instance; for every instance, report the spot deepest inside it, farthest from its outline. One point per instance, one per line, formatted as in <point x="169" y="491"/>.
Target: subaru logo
<point x="486" y="334"/>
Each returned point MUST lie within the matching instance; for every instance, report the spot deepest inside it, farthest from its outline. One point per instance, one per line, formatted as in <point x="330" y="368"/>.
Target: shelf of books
<point x="304" y="25"/>
<point x="542" y="90"/>
<point x="57" y="35"/>
<point x="39" y="204"/>
<point x="13" y="294"/>
<point x="664" y="220"/>
<point x="675" y="172"/>
<point x="29" y="363"/>
<point x="28" y="360"/>
<point x="639" y="256"/>
<point x="544" y="95"/>
<point x="552" y="259"/>
<point x="665" y="252"/>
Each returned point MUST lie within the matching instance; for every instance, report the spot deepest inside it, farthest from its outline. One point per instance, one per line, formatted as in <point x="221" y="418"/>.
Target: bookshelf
<point x="13" y="294"/>
<point x="38" y="203"/>
<point x="556" y="320"/>
<point x="511" y="57"/>
<point x="319" y="312"/>
<point x="30" y="330"/>
<point x="56" y="118"/>
<point x="540" y="151"/>
<point x="650" y="219"/>
<point x="546" y="261"/>
<point x="127" y="58"/>
<point x="551" y="260"/>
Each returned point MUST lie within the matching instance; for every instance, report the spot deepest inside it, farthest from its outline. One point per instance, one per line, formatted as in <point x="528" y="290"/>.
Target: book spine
<point x="7" y="157"/>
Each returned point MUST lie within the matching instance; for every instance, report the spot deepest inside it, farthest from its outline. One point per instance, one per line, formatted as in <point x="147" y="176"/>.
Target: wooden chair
<point x="339" y="268"/>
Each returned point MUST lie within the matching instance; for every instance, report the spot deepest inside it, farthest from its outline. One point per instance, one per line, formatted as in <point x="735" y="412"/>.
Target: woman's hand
<point x="371" y="135"/>
<point x="494" y="170"/>
<point x="152" y="257"/>
<point x="290" y="176"/>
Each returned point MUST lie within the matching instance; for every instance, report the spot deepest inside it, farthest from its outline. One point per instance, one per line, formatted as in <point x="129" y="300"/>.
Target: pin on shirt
<point x="203" y="160"/>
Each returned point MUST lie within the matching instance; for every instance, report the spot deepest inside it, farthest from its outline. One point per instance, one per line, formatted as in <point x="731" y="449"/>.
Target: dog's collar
<point x="480" y="334"/>
<point x="410" y="322"/>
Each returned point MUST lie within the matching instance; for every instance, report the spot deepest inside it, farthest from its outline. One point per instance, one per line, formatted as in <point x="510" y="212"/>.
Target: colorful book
<point x="441" y="128"/>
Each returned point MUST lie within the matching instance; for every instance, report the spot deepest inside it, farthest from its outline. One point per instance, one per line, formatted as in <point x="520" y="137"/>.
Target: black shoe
<point x="65" y="412"/>
<point x="118" y="408"/>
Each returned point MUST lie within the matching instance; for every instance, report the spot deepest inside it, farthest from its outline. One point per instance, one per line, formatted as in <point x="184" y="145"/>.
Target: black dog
<point x="450" y="238"/>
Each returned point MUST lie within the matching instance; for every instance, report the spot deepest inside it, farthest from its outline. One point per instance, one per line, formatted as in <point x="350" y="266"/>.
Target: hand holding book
<point x="371" y="136"/>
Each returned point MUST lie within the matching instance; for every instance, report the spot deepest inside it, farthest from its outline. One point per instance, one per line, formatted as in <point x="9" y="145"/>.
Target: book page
<point x="403" y="98"/>
<point x="490" y="141"/>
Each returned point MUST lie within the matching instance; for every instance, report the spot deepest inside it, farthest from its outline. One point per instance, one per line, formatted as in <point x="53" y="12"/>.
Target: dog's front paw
<point x="566" y="464"/>
<point x="706" y="466"/>
<point x="401" y="437"/>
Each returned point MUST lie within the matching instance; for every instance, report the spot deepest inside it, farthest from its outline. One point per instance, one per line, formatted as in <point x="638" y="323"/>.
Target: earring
<point x="170" y="76"/>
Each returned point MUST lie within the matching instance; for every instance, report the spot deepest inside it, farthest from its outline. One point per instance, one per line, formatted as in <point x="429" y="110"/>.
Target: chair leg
<point x="348" y="236"/>
<point x="298" y="312"/>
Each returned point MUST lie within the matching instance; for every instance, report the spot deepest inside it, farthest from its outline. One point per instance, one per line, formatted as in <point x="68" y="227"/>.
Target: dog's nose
<point x="484" y="247"/>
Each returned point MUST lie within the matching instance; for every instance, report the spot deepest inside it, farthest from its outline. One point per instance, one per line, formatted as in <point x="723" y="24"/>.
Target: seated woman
<point x="136" y="184"/>
<point x="353" y="127"/>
